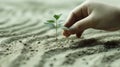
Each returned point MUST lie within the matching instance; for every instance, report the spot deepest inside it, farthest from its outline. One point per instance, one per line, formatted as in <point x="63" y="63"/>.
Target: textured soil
<point x="26" y="42"/>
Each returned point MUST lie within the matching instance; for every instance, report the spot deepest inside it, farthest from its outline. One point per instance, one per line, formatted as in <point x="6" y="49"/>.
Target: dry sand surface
<point x="26" y="42"/>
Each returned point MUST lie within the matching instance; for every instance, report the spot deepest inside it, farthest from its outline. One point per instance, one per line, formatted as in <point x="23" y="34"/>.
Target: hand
<point x="92" y="15"/>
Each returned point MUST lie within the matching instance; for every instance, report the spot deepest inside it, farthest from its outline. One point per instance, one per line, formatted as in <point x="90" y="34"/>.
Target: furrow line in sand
<point x="15" y="38"/>
<point x="39" y="39"/>
<point x="30" y="30"/>
<point x="21" y="23"/>
<point x="23" y="32"/>
<point x="26" y="27"/>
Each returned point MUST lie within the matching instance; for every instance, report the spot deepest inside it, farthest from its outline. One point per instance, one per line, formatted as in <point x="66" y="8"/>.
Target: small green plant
<point x="55" y="24"/>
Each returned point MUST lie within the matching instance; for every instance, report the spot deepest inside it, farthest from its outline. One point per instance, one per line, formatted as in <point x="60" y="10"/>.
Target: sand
<point x="26" y="42"/>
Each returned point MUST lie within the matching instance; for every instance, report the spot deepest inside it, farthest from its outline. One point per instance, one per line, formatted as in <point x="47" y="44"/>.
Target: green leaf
<point x="50" y="21"/>
<point x="57" y="16"/>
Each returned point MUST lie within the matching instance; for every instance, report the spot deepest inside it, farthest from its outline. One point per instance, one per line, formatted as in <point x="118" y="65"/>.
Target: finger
<point x="76" y="15"/>
<point x="66" y="33"/>
<point x="72" y="18"/>
<point x="81" y="25"/>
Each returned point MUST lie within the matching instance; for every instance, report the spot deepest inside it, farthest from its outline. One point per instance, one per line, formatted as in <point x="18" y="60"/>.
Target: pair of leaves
<point x="56" y="17"/>
<point x="52" y="23"/>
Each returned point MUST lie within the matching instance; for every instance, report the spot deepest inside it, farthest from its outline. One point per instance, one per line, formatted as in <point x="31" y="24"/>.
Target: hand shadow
<point x="93" y="42"/>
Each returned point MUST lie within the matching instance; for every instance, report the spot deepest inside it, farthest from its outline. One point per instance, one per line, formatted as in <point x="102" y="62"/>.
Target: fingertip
<point x="66" y="33"/>
<point x="71" y="30"/>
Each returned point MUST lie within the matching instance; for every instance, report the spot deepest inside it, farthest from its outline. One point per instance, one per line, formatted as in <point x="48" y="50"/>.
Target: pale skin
<point x="92" y="15"/>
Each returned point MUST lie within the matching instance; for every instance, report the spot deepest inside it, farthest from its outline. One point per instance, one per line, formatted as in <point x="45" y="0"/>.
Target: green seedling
<point x="55" y="24"/>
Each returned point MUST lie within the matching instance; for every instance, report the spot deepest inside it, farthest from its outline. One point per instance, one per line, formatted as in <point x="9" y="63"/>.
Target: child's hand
<point x="92" y="15"/>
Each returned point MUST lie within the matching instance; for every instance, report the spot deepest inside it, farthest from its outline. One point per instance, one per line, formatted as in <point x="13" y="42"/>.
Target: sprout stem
<point x="56" y="31"/>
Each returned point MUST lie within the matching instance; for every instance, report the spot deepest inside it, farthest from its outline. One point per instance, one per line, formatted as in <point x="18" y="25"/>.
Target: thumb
<point x="81" y="25"/>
